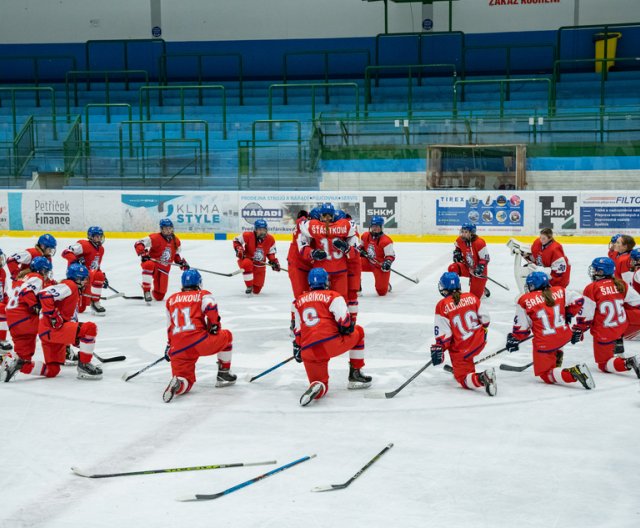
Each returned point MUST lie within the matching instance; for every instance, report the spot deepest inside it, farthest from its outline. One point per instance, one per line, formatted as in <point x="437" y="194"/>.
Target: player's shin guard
<point x="87" y="333"/>
<point x="558" y="375"/>
<point x="615" y="364"/>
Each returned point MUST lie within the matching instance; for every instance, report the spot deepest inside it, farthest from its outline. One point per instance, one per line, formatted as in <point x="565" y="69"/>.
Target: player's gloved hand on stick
<point x="568" y="316"/>
<point x="275" y="265"/>
<point x="297" y="352"/>
<point x="80" y="260"/>
<point x="214" y="328"/>
<point x="513" y="344"/>
<point x="167" y="357"/>
<point x="340" y="245"/>
<point x="386" y="265"/>
<point x="239" y="253"/>
<point x="145" y="257"/>
<point x="480" y="270"/>
<point x="56" y="320"/>
<point x="363" y="252"/>
<point x="184" y="266"/>
<point x="457" y="255"/>
<point x="347" y="330"/>
<point x="318" y="254"/>
<point x="437" y="354"/>
<point x="106" y="282"/>
<point x="577" y="336"/>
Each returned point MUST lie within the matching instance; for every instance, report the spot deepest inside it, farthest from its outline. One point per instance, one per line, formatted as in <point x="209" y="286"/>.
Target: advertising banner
<point x="387" y="205"/>
<point x="46" y="210"/>
<point x="558" y="210"/>
<point x="613" y="212"/>
<point x="190" y="212"/>
<point x="4" y="210"/>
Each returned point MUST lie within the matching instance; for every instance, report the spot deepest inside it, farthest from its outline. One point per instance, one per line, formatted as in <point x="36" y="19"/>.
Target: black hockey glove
<point x="297" y="352"/>
<point x="480" y="270"/>
<point x="577" y="336"/>
<point x="457" y="255"/>
<point x="275" y="265"/>
<point x="239" y="253"/>
<point x="363" y="252"/>
<point x="318" y="254"/>
<point x="513" y="344"/>
<point x="106" y="282"/>
<point x="145" y="257"/>
<point x="437" y="354"/>
<point x="340" y="245"/>
<point x="80" y="260"/>
<point x="167" y="357"/>
<point x="183" y="265"/>
<point x="347" y="330"/>
<point x="386" y="265"/>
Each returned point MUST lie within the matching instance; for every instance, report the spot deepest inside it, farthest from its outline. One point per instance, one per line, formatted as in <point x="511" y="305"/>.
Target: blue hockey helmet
<point x="47" y="241"/>
<point x="537" y="280"/>
<point x="166" y="222"/>
<point x="376" y="221"/>
<point x="601" y="268"/>
<point x="327" y="209"/>
<point x="469" y="227"/>
<point x="318" y="279"/>
<point x="260" y="223"/>
<point x="77" y="272"/>
<point x="191" y="278"/>
<point x="449" y="281"/>
<point x="615" y="238"/>
<point x="634" y="257"/>
<point x="340" y="215"/>
<point x="41" y="265"/>
<point x="93" y="232"/>
<point x="314" y="214"/>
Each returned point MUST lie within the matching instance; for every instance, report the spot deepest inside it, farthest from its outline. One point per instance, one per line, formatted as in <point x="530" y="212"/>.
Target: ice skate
<point x="618" y="349"/>
<point x="357" y="380"/>
<point x="487" y="293"/>
<point x="390" y="288"/>
<point x="97" y="308"/>
<point x="582" y="374"/>
<point x="147" y="296"/>
<point x="632" y="363"/>
<point x="71" y="358"/>
<point x="488" y="379"/>
<point x="315" y="389"/>
<point x="225" y="377"/>
<point x="5" y="346"/>
<point x="10" y="365"/>
<point x="175" y="385"/>
<point x="89" y="371"/>
<point x="249" y="291"/>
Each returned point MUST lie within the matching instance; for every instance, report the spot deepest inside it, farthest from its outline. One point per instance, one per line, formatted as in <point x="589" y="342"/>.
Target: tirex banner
<point x="280" y="210"/>
<point x="189" y="212"/>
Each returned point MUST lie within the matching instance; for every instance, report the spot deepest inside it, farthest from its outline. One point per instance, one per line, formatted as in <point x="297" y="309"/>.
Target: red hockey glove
<point x="56" y="320"/>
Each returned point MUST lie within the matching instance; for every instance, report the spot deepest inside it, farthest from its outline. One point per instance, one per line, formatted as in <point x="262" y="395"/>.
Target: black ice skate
<point x="225" y="378"/>
<point x="97" y="308"/>
<point x="147" y="297"/>
<point x="315" y="389"/>
<point x="174" y="387"/>
<point x="5" y="346"/>
<point x="582" y="374"/>
<point x="10" y="365"/>
<point x="357" y="380"/>
<point x="249" y="291"/>
<point x="71" y="358"/>
<point x="632" y="364"/>
<point x="89" y="371"/>
<point x="618" y="348"/>
<point x="488" y="379"/>
<point x="487" y="293"/>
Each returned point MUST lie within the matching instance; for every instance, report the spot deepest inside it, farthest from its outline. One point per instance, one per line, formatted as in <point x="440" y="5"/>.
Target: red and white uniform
<point x="23" y="318"/>
<point x="156" y="274"/>
<point x="20" y="261"/>
<point x="4" y="299"/>
<point x="378" y="250"/>
<point x="62" y="300"/>
<point x="474" y="253"/>
<point x="318" y="314"/>
<point x="298" y="268"/>
<point x="354" y="274"/>
<point x="550" y="259"/>
<point x="84" y="252"/>
<point x="315" y="234"/>
<point x="549" y="327"/>
<point x="604" y="313"/>
<point x="190" y="314"/>
<point x="255" y="254"/>
<point x="623" y="267"/>
<point x="461" y="329"/>
<point x="635" y="280"/>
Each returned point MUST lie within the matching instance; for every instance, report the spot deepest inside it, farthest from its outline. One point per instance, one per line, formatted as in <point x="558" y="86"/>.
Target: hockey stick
<point x="332" y="487"/>
<point x="415" y="281"/>
<point x="281" y="268"/>
<point x="514" y="368"/>
<point x="109" y="359"/>
<point x="199" y="497"/>
<point x="127" y="377"/>
<point x="503" y="286"/>
<point x="134" y="297"/>
<point x="376" y="263"/>
<point x="202" y="270"/>
<point x="82" y="473"/>
<point x="449" y="369"/>
<point x="271" y="369"/>
<point x="395" y="392"/>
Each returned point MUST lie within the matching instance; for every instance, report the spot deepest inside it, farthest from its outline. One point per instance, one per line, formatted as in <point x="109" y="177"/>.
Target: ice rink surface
<point x="533" y="456"/>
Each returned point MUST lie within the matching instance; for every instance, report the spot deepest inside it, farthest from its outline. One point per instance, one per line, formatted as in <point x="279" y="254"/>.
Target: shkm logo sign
<point x="557" y="215"/>
<point x="386" y="209"/>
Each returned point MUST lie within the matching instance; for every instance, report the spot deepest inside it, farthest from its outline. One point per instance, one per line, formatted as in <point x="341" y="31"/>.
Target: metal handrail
<point x="164" y="76"/>
<point x="313" y="87"/>
<point x="74" y="74"/>
<point x="326" y="54"/>
<point x="605" y="27"/>
<point x="181" y="89"/>
<point x="108" y="114"/>
<point x="125" y="43"/>
<point x="28" y="128"/>
<point x="508" y="48"/>
<point x="36" y="89"/>
<point x="70" y="154"/>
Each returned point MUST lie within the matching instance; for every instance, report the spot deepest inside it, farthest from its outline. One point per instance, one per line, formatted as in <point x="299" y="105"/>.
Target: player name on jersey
<point x="530" y="302"/>
<point x="464" y="301"/>
<point x="313" y="297"/>
<point x="337" y="230"/>
<point x="185" y="297"/>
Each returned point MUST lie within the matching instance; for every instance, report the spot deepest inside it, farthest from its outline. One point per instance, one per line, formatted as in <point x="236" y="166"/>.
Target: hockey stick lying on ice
<point x="136" y="297"/>
<point x="514" y="368"/>
<point x="332" y="487"/>
<point x="82" y="473"/>
<point x="395" y="392"/>
<point x="200" y="497"/>
<point x="203" y="270"/>
<point x="109" y="359"/>
<point x="503" y="286"/>
<point x="271" y="369"/>
<point x="127" y="377"/>
<point x="449" y="369"/>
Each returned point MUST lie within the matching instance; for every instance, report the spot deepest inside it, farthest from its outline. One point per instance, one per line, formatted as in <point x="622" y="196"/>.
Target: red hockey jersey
<point x="190" y="314"/>
<point x="159" y="248"/>
<point x="317" y="315"/>
<point x="460" y="327"/>
<point x="603" y="311"/>
<point x="378" y="248"/>
<point x="552" y="259"/>
<point x="20" y="261"/>
<point x="315" y="235"/>
<point x="62" y="297"/>
<point x="258" y="251"/>
<point x="474" y="252"/>
<point x="90" y="255"/>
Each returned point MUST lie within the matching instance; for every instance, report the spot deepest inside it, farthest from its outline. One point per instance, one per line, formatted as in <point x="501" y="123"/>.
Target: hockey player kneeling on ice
<point x="470" y="259"/>
<point x="23" y="312"/>
<point x="377" y="254"/>
<point x="254" y="249"/>
<point x="544" y="310"/>
<point x="460" y="326"/>
<point x="4" y="299"/>
<point x="194" y="331"/>
<point x="323" y="329"/>
<point x="604" y="313"/>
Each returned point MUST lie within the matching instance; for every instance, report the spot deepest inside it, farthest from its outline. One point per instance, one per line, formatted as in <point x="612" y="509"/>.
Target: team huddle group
<point x="325" y="261"/>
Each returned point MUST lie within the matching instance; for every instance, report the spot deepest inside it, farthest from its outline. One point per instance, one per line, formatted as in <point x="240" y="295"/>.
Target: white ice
<point x="533" y="456"/>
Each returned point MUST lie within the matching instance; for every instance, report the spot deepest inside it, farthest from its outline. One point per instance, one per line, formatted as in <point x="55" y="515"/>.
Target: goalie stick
<point x="264" y="373"/>
<point x="202" y="270"/>
<point x="82" y="473"/>
<point x="201" y="497"/>
<point x="332" y="487"/>
<point x="109" y="359"/>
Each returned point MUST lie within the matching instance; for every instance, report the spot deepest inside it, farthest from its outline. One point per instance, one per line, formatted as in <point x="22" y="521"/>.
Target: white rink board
<point x="505" y="212"/>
